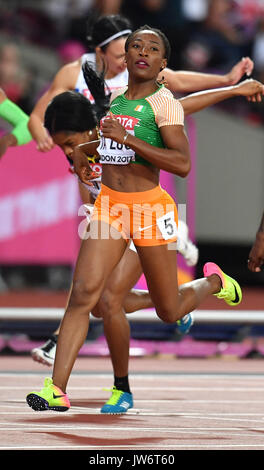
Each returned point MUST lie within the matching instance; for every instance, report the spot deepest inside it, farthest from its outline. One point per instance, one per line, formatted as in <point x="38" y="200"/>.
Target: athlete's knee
<point x="166" y="317"/>
<point x="168" y="314"/>
<point x="109" y="303"/>
<point x="84" y="293"/>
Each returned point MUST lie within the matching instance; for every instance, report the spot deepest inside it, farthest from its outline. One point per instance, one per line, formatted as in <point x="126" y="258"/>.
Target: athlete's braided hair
<point x="97" y="86"/>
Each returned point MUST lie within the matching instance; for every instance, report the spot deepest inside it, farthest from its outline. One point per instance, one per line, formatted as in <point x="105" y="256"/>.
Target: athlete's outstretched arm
<point x="185" y="82"/>
<point x="64" y="80"/>
<point x="251" y="89"/>
<point x="256" y="255"/>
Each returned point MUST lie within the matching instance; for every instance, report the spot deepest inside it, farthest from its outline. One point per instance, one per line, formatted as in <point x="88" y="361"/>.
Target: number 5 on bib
<point x="167" y="226"/>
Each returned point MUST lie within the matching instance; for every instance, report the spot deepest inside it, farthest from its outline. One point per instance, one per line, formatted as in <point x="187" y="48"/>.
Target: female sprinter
<point x="107" y="38"/>
<point x="125" y="189"/>
<point x="71" y="120"/>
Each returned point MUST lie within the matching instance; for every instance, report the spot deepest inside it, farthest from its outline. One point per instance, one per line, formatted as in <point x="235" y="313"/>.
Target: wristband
<point x="11" y="113"/>
<point x="22" y="133"/>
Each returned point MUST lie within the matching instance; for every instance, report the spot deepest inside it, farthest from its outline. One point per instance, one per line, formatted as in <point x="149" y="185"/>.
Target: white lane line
<point x="134" y="412"/>
<point x="98" y="428"/>
<point x="146" y="401"/>
<point x="135" y="447"/>
<point x="250" y="422"/>
<point x="171" y="376"/>
<point x="193" y="416"/>
<point x="158" y="389"/>
<point x="217" y="418"/>
<point x="156" y="432"/>
<point x="138" y="412"/>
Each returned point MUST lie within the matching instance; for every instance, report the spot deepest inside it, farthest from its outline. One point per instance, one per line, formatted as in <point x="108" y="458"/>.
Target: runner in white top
<point x="113" y="83"/>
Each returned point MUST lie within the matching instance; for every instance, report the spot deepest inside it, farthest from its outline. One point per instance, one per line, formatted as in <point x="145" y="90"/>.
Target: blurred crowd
<point x="206" y="35"/>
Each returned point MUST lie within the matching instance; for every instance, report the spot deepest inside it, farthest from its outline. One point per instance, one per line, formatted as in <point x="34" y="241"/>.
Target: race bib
<point x="112" y="152"/>
<point x="95" y="187"/>
<point x="167" y="226"/>
<point x="96" y="182"/>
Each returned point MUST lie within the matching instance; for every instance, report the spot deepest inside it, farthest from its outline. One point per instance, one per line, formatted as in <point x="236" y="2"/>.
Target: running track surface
<point x="180" y="404"/>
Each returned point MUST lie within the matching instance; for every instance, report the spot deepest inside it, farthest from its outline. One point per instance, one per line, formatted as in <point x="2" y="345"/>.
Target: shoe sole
<point x="115" y="412"/>
<point x="109" y="410"/>
<point x="38" y="356"/>
<point x="40" y="404"/>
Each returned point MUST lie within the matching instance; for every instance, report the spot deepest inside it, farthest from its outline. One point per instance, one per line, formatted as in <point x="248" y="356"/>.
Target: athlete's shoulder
<point x="167" y="109"/>
<point x="67" y="75"/>
<point x="70" y="73"/>
<point x="72" y="66"/>
<point x="76" y="64"/>
<point x="118" y="92"/>
<point x="162" y="95"/>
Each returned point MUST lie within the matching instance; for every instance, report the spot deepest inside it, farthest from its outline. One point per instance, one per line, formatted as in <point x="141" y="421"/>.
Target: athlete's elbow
<point x="184" y="168"/>
<point x="183" y="173"/>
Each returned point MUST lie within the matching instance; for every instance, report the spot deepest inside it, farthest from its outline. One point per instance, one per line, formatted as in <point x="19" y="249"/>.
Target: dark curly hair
<point x="72" y="112"/>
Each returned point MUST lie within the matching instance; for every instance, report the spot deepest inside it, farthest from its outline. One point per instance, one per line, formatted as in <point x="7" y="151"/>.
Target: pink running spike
<point x="212" y="268"/>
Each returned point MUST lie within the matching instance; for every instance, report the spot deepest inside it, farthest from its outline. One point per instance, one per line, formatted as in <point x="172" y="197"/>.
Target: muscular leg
<point x="116" y="326"/>
<point x="172" y="302"/>
<point x="136" y="300"/>
<point x="96" y="260"/>
<point x="86" y="198"/>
